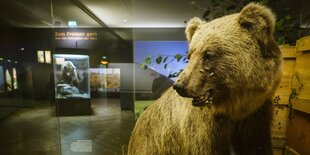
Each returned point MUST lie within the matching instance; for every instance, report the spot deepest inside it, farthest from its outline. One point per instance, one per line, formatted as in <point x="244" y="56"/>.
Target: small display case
<point x="72" y="88"/>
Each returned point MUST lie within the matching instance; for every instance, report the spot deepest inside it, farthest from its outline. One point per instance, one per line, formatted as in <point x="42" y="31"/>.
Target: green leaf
<point x="281" y="40"/>
<point x="165" y="66"/>
<point x="170" y="75"/>
<point x="165" y="59"/>
<point x="178" y="57"/>
<point x="264" y="2"/>
<point x="147" y="60"/>
<point x="288" y="17"/>
<point x="279" y="25"/>
<point x="159" y="59"/>
<point x="206" y="14"/>
<point x="181" y="70"/>
<point x="173" y="74"/>
<point x="143" y="66"/>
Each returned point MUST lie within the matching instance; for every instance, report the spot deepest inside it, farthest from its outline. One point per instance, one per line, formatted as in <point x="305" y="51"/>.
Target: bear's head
<point x="67" y="68"/>
<point x="234" y="62"/>
<point x="69" y="74"/>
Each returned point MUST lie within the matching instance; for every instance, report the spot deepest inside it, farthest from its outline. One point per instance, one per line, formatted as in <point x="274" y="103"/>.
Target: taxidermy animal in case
<point x="221" y="102"/>
<point x="69" y="74"/>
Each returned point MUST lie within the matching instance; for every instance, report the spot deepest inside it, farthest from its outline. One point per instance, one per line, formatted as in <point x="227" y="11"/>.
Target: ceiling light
<point x="104" y="62"/>
<point x="125" y="20"/>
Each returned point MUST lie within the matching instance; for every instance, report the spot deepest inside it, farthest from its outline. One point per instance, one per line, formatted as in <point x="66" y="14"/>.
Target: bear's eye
<point x="208" y="56"/>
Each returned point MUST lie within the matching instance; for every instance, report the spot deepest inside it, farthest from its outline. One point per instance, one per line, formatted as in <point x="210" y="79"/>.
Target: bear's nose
<point x="179" y="87"/>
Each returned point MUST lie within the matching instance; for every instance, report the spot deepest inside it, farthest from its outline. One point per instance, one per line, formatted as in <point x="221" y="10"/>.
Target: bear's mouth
<point x="204" y="100"/>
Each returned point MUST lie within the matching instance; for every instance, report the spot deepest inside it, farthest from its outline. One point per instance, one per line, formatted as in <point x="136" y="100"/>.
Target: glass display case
<point x="72" y="87"/>
<point x="71" y="76"/>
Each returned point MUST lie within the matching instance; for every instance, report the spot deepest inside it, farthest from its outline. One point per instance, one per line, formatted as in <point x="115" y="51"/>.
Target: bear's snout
<point x="180" y="88"/>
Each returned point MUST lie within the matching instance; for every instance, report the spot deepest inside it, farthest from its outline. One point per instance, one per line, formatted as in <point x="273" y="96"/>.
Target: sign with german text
<point x="76" y="36"/>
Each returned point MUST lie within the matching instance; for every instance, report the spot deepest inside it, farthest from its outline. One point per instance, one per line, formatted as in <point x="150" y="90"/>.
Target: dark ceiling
<point x="115" y="14"/>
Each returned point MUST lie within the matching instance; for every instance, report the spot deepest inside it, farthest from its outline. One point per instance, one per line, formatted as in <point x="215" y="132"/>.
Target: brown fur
<point x="222" y="101"/>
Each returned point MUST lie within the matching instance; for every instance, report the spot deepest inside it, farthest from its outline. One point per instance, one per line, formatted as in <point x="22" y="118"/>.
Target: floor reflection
<point x="37" y="130"/>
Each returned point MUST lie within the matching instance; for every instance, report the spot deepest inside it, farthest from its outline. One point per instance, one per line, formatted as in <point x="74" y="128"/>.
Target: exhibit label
<point x="76" y="36"/>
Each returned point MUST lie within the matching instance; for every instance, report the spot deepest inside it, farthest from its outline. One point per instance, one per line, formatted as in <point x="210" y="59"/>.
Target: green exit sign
<point x="72" y="23"/>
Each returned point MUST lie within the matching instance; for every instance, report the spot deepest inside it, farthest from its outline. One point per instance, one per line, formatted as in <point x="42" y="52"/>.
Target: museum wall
<point x="33" y="74"/>
<point x="116" y="51"/>
<point x="34" y="79"/>
<point x="9" y="100"/>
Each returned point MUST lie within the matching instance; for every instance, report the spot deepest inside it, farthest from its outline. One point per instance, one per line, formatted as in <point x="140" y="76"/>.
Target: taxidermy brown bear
<point x="69" y="74"/>
<point x="221" y="103"/>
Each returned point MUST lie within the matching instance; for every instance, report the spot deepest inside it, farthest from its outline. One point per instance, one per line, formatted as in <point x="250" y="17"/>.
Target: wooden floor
<point x="38" y="131"/>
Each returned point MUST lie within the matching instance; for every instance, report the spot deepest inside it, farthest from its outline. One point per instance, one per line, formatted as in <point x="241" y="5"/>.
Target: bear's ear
<point x="258" y="19"/>
<point x="260" y="23"/>
<point x="192" y="25"/>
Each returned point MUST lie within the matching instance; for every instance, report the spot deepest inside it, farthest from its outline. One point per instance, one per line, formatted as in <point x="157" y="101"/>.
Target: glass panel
<point x="28" y="119"/>
<point x="96" y="118"/>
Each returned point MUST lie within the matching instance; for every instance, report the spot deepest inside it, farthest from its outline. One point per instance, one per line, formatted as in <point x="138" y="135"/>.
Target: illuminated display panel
<point x="1" y="80"/>
<point x="40" y="55"/>
<point x="15" y="85"/>
<point x="8" y="80"/>
<point x="105" y="79"/>
<point x="48" y="57"/>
